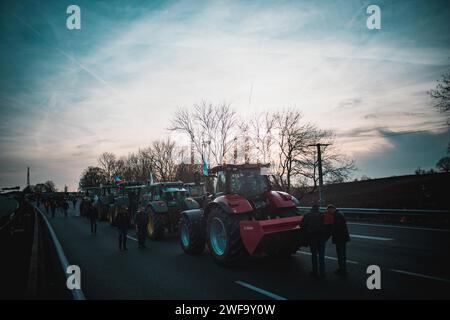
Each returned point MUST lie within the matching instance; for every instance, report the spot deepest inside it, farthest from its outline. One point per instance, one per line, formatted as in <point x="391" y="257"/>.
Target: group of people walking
<point x="122" y="221"/>
<point x="52" y="206"/>
<point x="318" y="229"/>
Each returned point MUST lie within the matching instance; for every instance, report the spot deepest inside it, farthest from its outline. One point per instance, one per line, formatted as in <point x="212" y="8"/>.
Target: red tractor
<point x="242" y="217"/>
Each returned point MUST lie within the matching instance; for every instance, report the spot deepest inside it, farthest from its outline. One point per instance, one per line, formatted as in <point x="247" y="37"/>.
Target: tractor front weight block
<point x="262" y="235"/>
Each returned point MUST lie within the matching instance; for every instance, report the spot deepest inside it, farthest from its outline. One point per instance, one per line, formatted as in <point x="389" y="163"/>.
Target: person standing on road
<point x="92" y="214"/>
<point x="122" y="223"/>
<point x="141" y="225"/>
<point x="316" y="235"/>
<point x="47" y="206"/>
<point x="53" y="207"/>
<point x="82" y="207"/>
<point x="339" y="237"/>
<point x="74" y="201"/>
<point x="59" y="206"/>
<point x="65" y="208"/>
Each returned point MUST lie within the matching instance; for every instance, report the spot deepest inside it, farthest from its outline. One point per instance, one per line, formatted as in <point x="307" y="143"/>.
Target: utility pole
<point x="235" y="152"/>
<point x="28" y="176"/>
<point x="319" y="164"/>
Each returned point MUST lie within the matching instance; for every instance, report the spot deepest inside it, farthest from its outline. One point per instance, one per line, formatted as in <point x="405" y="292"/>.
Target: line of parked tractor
<point x="240" y="216"/>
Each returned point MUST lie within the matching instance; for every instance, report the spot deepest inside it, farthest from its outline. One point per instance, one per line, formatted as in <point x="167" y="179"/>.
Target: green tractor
<point x="106" y="201"/>
<point x="196" y="191"/>
<point x="163" y="202"/>
<point x="125" y="197"/>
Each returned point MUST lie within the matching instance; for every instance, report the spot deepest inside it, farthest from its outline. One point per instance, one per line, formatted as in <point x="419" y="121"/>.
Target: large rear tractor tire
<point x="224" y="238"/>
<point x="155" y="225"/>
<point x="192" y="237"/>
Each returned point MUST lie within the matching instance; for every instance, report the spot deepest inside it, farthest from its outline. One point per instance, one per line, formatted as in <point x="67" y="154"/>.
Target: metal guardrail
<point x="393" y="212"/>
<point x="11" y="217"/>
<point x="77" y="294"/>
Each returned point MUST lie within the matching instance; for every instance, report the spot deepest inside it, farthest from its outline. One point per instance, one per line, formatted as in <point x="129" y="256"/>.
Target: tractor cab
<point x="171" y="193"/>
<point x="196" y="191"/>
<point x="248" y="180"/>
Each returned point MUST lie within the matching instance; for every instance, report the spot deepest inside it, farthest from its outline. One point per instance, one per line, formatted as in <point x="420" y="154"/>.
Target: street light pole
<point x="319" y="164"/>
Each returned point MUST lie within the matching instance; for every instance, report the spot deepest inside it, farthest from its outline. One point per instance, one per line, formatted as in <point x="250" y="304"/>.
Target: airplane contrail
<point x="73" y="59"/>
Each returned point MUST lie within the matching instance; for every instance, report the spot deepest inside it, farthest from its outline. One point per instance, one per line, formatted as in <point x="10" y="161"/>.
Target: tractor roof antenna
<point x="319" y="164"/>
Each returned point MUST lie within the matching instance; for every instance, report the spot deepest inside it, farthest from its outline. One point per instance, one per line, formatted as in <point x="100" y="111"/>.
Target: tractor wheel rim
<point x="218" y="236"/>
<point x="184" y="235"/>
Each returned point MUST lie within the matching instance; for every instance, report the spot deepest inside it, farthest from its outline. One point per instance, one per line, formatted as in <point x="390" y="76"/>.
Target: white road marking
<point x="328" y="257"/>
<point x="132" y="238"/>
<point x="399" y="227"/>
<point x="259" y="290"/>
<point x="392" y="270"/>
<point x="370" y="237"/>
<point x="420" y="275"/>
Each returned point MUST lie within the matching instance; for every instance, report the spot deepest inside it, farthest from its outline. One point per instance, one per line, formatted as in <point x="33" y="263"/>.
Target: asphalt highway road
<point x="414" y="264"/>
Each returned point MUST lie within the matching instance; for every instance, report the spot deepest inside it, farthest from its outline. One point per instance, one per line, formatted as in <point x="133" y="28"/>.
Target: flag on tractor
<point x="118" y="181"/>
<point x="150" y="180"/>
<point x="205" y="168"/>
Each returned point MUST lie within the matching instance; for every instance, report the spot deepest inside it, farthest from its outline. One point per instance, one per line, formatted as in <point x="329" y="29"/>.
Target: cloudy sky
<point x="68" y="95"/>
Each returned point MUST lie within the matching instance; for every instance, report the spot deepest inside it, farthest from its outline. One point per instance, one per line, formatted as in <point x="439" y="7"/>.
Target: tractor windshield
<point x="171" y="194"/>
<point x="249" y="183"/>
<point x="197" y="190"/>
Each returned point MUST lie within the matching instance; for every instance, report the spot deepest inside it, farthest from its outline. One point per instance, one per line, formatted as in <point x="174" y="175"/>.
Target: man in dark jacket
<point x="74" y="201"/>
<point x="65" y="208"/>
<point x="141" y="226"/>
<point x="47" y="206"/>
<point x="316" y="235"/>
<point x="92" y="214"/>
<point x="122" y="223"/>
<point x="53" y="206"/>
<point x="339" y="237"/>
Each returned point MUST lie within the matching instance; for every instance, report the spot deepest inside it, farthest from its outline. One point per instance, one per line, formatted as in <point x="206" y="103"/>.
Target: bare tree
<point x="120" y="167"/>
<point x="183" y="122"/>
<point x="92" y="177"/>
<point x="50" y="186"/>
<point x="164" y="154"/>
<point x="444" y="164"/>
<point x="107" y="162"/>
<point x="292" y="139"/>
<point x="336" y="167"/>
<point x="209" y="127"/>
<point x="287" y="138"/>
<point x="442" y="93"/>
<point x="261" y="132"/>
<point x="145" y="164"/>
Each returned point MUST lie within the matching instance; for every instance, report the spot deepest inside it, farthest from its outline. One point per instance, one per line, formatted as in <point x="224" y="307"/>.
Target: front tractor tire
<point x="224" y="238"/>
<point x="192" y="238"/>
<point x="155" y="225"/>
